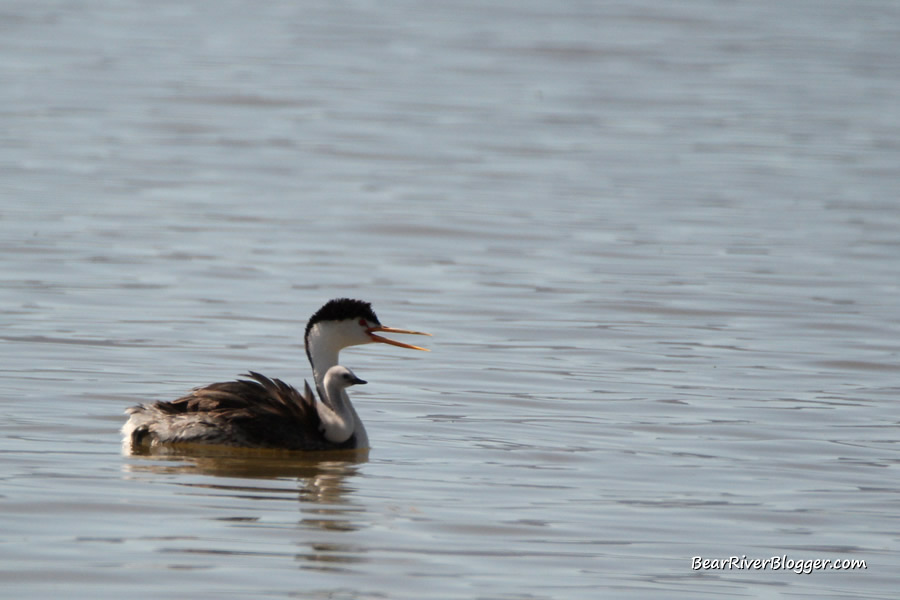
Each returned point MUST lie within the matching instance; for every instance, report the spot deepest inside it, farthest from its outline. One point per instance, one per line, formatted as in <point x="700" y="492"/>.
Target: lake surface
<point x="658" y="246"/>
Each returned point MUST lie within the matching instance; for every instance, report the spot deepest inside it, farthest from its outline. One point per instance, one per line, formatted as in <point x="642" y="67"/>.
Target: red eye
<point x="363" y="323"/>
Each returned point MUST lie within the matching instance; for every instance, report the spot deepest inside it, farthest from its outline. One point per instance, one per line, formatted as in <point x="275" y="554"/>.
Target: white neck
<point x="323" y="354"/>
<point x="340" y="418"/>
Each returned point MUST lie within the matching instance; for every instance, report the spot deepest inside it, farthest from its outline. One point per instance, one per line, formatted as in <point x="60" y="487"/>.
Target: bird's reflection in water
<point x="322" y="476"/>
<point x="323" y="488"/>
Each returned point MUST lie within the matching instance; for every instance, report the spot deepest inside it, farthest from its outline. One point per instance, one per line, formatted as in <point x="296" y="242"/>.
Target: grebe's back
<point x="254" y="413"/>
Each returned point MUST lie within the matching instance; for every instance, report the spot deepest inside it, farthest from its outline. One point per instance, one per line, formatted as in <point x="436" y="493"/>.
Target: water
<point x="656" y="243"/>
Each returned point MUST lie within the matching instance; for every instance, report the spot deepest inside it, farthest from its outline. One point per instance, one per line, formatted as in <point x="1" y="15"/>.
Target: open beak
<point x="378" y="338"/>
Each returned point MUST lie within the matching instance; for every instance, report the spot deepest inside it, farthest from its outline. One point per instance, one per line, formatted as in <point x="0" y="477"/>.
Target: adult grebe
<point x="268" y="413"/>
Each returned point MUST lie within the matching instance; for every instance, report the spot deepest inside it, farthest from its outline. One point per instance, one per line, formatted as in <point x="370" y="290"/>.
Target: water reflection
<point x="324" y="492"/>
<point x="323" y="476"/>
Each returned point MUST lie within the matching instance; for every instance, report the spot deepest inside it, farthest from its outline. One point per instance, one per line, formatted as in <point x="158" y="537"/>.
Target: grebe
<point x="268" y="413"/>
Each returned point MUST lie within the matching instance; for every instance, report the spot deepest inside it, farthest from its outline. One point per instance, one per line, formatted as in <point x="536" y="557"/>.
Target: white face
<point x="326" y="339"/>
<point x="345" y="333"/>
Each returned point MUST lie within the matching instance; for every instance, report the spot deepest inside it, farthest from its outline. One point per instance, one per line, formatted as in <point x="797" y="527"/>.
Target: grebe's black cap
<point x="343" y="309"/>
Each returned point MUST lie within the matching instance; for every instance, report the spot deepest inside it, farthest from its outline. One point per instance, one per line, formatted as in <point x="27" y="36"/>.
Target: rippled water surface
<point x="658" y="246"/>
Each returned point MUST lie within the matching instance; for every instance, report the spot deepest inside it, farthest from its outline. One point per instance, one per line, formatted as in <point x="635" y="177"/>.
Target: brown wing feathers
<point x="258" y="412"/>
<point x="262" y="394"/>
